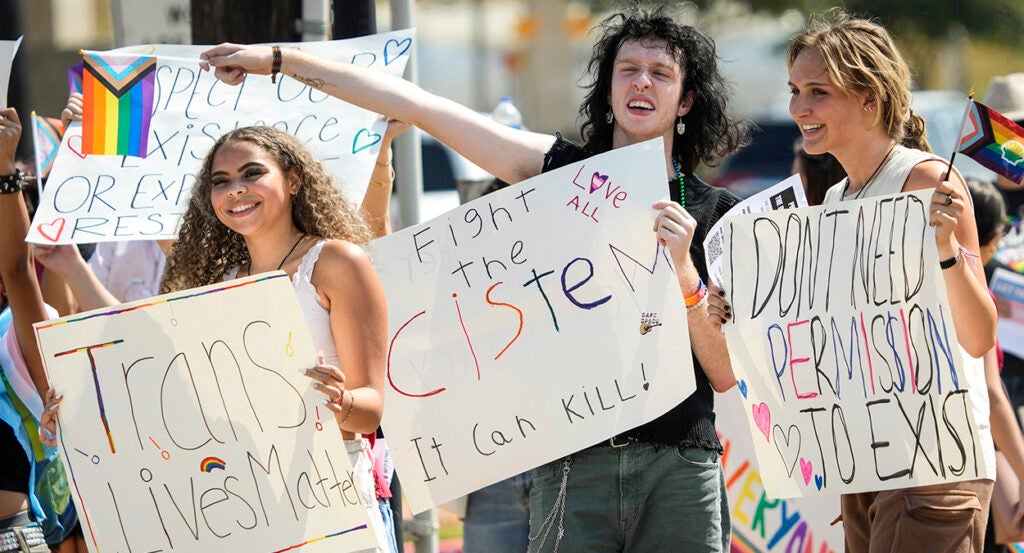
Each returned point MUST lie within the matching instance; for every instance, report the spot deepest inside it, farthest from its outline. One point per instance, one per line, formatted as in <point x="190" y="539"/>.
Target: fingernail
<point x="721" y="319"/>
<point x="728" y="315"/>
<point x="721" y="293"/>
<point x="727" y="308"/>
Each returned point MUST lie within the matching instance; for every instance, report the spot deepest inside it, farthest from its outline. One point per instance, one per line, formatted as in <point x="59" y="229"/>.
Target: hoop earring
<point x="609" y="117"/>
<point x="680" y="126"/>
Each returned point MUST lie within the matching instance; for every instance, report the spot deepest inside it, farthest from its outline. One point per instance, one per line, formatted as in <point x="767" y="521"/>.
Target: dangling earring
<point x="680" y="126"/>
<point x="609" y="117"/>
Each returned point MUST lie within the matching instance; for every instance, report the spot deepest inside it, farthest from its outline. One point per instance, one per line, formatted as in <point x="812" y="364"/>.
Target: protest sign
<point x="844" y="346"/>
<point x="761" y="523"/>
<point x="529" y="324"/>
<point x="103" y="198"/>
<point x="190" y="432"/>
<point x="1008" y="288"/>
<point x="8" y="49"/>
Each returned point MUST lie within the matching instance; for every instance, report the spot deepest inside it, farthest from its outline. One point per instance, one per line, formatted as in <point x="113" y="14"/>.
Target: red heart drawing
<point x="46" y="228"/>
<point x="597" y="181"/>
<point x="77" y="152"/>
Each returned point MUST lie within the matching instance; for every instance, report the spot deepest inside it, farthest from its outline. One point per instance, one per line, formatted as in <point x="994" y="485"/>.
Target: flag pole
<point x="959" y="136"/>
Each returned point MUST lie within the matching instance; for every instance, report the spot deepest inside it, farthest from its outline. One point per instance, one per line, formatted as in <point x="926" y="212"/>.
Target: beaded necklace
<point x="682" y="183"/>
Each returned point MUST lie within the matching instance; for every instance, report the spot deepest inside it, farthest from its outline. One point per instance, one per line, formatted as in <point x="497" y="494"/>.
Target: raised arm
<point x="376" y="207"/>
<point x="952" y="215"/>
<point x="509" y="154"/>
<point x="16" y="267"/>
<point x="67" y="262"/>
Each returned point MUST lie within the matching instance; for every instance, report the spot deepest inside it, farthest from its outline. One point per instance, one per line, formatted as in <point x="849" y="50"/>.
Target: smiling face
<point x="250" y="193"/>
<point x="646" y="87"/>
<point x="829" y="119"/>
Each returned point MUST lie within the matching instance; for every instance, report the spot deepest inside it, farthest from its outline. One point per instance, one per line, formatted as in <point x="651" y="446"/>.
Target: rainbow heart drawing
<point x="210" y="463"/>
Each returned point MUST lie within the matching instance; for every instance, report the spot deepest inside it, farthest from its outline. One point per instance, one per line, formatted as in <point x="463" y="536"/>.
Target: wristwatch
<point x="11" y="184"/>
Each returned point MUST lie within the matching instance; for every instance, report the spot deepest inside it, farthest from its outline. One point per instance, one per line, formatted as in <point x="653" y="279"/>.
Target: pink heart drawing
<point x="807" y="469"/>
<point x="71" y="147"/>
<point x="597" y="181"/>
<point x="47" y="229"/>
<point x="763" y="419"/>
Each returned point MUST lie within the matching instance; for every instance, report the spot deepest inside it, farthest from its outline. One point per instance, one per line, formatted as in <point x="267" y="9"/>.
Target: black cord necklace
<point x="682" y="183"/>
<point x="874" y="173"/>
<point x="248" y="268"/>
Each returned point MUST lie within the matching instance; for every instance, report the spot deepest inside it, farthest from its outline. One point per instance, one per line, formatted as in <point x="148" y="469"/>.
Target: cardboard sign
<point x="188" y="432"/>
<point x="115" y="198"/>
<point x="844" y="346"/>
<point x="529" y="324"/>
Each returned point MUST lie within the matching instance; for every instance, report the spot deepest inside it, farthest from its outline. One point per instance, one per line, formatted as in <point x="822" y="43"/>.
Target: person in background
<point x="818" y="172"/>
<point x="652" y="77"/>
<point x="990" y="215"/>
<point x="32" y="512"/>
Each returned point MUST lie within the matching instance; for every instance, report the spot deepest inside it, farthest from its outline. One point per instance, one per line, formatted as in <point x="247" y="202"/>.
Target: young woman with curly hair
<point x="652" y="77"/>
<point x="262" y="202"/>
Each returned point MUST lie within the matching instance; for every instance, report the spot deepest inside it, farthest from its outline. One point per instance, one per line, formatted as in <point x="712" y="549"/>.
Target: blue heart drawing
<point x="371" y="140"/>
<point x="370" y="55"/>
<point x="743" y="388"/>
<point x="819" y="481"/>
<point x="401" y="46"/>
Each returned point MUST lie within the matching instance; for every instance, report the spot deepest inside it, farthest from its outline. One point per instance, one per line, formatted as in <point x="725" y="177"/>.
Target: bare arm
<point x="16" y="265"/>
<point x="1005" y="431"/>
<point x="974" y="315"/>
<point x="376" y="207"/>
<point x="674" y="227"/>
<point x="349" y="287"/>
<point x="66" y="261"/>
<point x="509" y="154"/>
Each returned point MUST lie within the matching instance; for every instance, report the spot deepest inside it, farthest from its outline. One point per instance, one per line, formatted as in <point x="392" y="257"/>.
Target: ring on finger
<point x="949" y="200"/>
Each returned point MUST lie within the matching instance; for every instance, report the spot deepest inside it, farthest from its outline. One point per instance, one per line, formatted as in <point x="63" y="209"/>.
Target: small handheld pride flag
<point x="47" y="133"/>
<point x="117" y="103"/>
<point x="993" y="141"/>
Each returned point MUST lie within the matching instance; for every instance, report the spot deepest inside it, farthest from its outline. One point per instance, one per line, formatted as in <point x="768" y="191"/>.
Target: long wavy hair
<point x="861" y="56"/>
<point x="206" y="248"/>
<point x="712" y="132"/>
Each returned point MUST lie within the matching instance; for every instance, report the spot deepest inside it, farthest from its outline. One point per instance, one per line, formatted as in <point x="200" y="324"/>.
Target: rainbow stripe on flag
<point x="117" y="98"/>
<point x="993" y="141"/>
<point x="47" y="133"/>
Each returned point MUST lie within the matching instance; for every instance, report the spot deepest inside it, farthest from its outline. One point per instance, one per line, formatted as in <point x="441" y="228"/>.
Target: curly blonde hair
<point x="860" y="56"/>
<point x="206" y="248"/>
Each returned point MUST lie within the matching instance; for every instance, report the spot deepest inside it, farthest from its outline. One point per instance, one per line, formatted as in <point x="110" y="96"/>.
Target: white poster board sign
<point x="8" y="49"/>
<point x="761" y="523"/>
<point x="192" y="432"/>
<point x="529" y="324"/>
<point x="844" y="347"/>
<point x="98" y="198"/>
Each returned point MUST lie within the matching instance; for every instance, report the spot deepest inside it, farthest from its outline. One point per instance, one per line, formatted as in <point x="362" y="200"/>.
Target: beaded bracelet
<point x="275" y="67"/>
<point x="700" y="294"/>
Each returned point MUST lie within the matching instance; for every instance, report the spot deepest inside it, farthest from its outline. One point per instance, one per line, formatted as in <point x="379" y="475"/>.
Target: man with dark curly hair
<point x="657" y="487"/>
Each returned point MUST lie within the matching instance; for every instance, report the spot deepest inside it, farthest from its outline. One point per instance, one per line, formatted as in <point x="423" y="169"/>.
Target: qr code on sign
<point x="714" y="249"/>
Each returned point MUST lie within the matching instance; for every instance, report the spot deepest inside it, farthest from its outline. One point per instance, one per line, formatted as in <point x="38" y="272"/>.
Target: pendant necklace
<point x="248" y="268"/>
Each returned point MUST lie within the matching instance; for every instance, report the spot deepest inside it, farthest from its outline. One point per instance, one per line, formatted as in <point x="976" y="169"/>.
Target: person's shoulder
<point x="562" y="153"/>
<point x="342" y="253"/>
<point x="929" y="172"/>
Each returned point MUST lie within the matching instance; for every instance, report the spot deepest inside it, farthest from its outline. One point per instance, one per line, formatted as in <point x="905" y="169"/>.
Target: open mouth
<point x="242" y="209"/>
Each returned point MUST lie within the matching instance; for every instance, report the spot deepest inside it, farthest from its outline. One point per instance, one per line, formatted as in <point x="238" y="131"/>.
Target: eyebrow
<point x="812" y="83"/>
<point x="240" y="169"/>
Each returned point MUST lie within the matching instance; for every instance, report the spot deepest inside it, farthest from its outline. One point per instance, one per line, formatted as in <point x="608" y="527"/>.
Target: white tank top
<point x="318" y="318"/>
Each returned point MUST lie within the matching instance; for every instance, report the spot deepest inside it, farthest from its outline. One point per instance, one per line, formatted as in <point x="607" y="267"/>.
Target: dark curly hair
<point x="711" y="131"/>
<point x="206" y="248"/>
